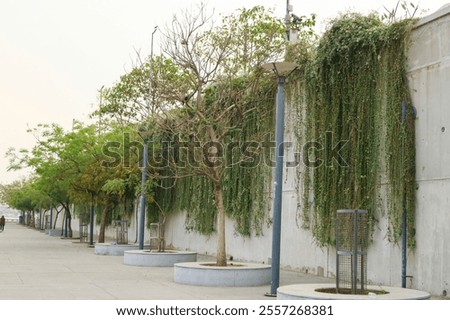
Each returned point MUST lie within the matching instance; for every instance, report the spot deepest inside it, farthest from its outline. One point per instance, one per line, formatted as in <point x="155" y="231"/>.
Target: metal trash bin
<point x="121" y="231"/>
<point x="352" y="236"/>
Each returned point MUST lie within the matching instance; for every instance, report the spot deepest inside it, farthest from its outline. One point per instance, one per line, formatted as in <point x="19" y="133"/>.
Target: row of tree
<point x="70" y="171"/>
<point x="186" y="104"/>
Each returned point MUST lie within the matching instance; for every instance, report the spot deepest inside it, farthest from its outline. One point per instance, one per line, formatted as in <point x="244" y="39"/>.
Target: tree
<point x="205" y="85"/>
<point x="26" y="197"/>
<point x="222" y="68"/>
<point x="103" y="165"/>
<point x="73" y="166"/>
<point x="52" y="173"/>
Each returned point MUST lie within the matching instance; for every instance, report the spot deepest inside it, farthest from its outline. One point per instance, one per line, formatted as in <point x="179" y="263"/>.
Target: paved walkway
<point x="34" y="265"/>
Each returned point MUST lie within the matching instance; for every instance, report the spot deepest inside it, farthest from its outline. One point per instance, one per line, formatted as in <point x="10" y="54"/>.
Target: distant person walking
<point x="2" y="223"/>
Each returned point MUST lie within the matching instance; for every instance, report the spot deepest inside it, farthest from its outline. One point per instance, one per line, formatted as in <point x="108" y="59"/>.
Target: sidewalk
<point x="34" y="265"/>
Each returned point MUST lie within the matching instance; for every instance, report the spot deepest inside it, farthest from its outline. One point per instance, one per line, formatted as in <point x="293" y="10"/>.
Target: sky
<point x="55" y="55"/>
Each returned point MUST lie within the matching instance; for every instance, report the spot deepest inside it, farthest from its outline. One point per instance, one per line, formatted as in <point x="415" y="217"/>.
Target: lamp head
<point x="283" y="68"/>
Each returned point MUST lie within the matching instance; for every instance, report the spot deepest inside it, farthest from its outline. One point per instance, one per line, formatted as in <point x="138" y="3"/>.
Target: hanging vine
<point x="245" y="185"/>
<point x="355" y="86"/>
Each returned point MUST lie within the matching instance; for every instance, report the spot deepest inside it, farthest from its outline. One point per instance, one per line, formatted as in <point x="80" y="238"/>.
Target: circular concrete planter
<point x="54" y="232"/>
<point x="237" y="275"/>
<point x="113" y="249"/>
<point x="148" y="258"/>
<point x="308" y="292"/>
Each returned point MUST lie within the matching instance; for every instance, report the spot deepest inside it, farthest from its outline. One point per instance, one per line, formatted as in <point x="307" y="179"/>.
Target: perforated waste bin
<point x="352" y="235"/>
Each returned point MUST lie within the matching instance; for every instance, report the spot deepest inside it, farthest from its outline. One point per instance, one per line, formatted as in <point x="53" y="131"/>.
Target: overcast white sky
<point x="56" y="54"/>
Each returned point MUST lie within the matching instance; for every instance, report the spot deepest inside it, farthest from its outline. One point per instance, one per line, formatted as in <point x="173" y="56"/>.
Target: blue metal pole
<point x="91" y="222"/>
<point x="278" y="187"/>
<point x="51" y="218"/>
<point x="404" y="248"/>
<point x="145" y="156"/>
<point x="65" y="223"/>
<point x="404" y="230"/>
<point x="143" y="194"/>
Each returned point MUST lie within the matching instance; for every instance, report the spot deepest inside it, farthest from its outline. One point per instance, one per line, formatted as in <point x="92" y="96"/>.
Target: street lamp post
<point x="282" y="70"/>
<point x="50" y="224"/>
<point x="143" y="195"/>
<point x="91" y="221"/>
<point x="145" y="157"/>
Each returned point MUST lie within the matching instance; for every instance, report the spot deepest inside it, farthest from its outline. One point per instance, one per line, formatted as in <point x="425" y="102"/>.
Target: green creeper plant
<point x="355" y="84"/>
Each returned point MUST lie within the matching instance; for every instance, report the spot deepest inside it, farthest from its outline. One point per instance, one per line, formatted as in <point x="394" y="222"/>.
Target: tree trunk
<point x="221" y="244"/>
<point x="101" y="234"/>
<point x="55" y="219"/>
<point x="63" y="221"/>
<point x="68" y="216"/>
<point x="33" y="219"/>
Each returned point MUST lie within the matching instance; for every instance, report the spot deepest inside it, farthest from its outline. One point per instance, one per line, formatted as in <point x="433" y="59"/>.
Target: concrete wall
<point x="429" y="264"/>
<point x="429" y="78"/>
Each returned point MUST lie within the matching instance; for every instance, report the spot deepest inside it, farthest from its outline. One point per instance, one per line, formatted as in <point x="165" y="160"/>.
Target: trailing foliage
<point x="355" y="86"/>
<point x="245" y="183"/>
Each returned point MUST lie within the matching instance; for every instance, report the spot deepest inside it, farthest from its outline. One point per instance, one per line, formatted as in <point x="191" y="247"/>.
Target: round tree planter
<point x="148" y="258"/>
<point x="236" y="275"/>
<point x="309" y="292"/>
<point x="113" y="249"/>
<point x="54" y="232"/>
